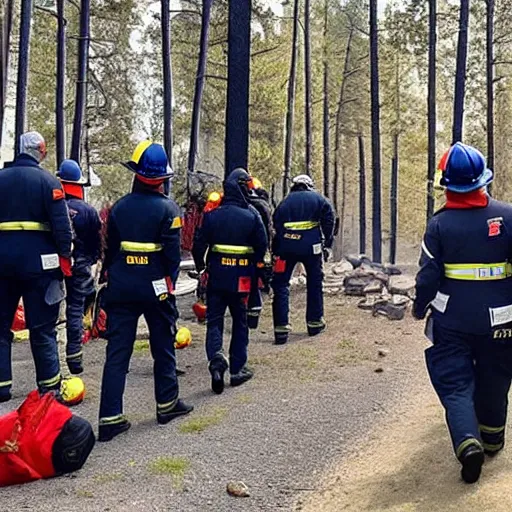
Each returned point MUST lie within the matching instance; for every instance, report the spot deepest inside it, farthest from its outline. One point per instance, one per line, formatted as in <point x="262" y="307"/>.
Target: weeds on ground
<point x="175" y="467"/>
<point x="83" y="493"/>
<point x="107" y="478"/>
<point x="201" y="423"/>
<point x="141" y="347"/>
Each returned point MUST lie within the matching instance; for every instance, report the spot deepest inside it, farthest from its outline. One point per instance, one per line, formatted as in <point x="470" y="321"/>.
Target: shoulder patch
<point x="176" y="223"/>
<point x="58" y="194"/>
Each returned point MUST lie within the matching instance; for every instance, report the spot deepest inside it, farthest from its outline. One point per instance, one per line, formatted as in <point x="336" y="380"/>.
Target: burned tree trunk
<point x="432" y="121"/>
<point x="81" y="80"/>
<point x="490" y="84"/>
<point x="376" y="163"/>
<point x="23" y="63"/>
<point x="290" y="109"/>
<point x="308" y="86"/>
<point x="394" y="201"/>
<point x="167" y="76"/>
<point x="460" y="72"/>
<point x="237" y="111"/>
<point x="362" y="196"/>
<point x="5" y="43"/>
<point x="60" y="94"/>
<point x="327" y="144"/>
<point x="200" y="79"/>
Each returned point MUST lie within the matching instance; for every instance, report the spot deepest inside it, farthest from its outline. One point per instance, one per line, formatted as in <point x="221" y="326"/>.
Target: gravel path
<point x="311" y="404"/>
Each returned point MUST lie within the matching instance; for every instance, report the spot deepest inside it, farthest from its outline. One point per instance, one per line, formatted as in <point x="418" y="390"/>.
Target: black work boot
<point x="75" y="367"/>
<point x="218" y="366"/>
<point x="108" y="432"/>
<point x="316" y="328"/>
<point x="180" y="409"/>
<point x="472" y="460"/>
<point x="5" y="397"/>
<point x="253" y="319"/>
<point x="242" y="376"/>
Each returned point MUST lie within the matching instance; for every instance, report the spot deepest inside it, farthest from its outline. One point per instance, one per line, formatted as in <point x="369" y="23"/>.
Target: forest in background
<point x="125" y="94"/>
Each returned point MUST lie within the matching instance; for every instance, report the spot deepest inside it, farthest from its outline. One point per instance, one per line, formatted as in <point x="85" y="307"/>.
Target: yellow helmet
<point x="256" y="183"/>
<point x="72" y="391"/>
<point x="183" y="338"/>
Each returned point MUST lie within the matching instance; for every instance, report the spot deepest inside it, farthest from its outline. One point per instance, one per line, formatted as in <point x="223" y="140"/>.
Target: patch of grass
<point x="107" y="477"/>
<point x="141" y="347"/>
<point x="306" y="357"/>
<point x="175" y="467"/>
<point x="260" y="360"/>
<point x="201" y="423"/>
<point x="83" y="493"/>
<point x="244" y="399"/>
<point x="345" y="345"/>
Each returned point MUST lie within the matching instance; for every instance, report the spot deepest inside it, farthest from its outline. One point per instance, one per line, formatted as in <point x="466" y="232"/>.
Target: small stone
<point x="402" y="285"/>
<point x="374" y="286"/>
<point x="238" y="489"/>
<point x="383" y="352"/>
<point x="379" y="369"/>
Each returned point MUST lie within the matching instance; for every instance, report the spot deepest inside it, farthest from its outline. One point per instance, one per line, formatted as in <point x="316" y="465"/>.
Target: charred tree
<point x="394" y="202"/>
<point x="432" y="115"/>
<point x="23" y="62"/>
<point x="239" y="61"/>
<point x="308" y="86"/>
<point x="81" y="80"/>
<point x="490" y="84"/>
<point x="362" y="195"/>
<point x="200" y="79"/>
<point x="290" y="109"/>
<point x="5" y="43"/>
<point x="167" y="77"/>
<point x="375" y="119"/>
<point x="60" y="94"/>
<point x="327" y="142"/>
<point x="460" y="72"/>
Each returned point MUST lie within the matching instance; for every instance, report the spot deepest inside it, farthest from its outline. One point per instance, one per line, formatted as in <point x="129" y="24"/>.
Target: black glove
<point x="327" y="254"/>
<point x="417" y="313"/>
<point x="267" y="274"/>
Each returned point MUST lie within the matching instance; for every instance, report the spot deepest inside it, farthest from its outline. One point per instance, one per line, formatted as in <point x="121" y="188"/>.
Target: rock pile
<point x="382" y="288"/>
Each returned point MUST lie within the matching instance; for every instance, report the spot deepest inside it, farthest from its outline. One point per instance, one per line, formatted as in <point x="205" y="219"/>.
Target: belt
<point x="301" y="225"/>
<point x="141" y="247"/>
<point x="478" y="271"/>
<point x="232" y="249"/>
<point x="24" y="225"/>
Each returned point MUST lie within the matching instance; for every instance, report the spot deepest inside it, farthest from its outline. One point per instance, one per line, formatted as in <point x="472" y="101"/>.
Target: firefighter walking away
<point x="142" y="262"/>
<point x="304" y="231"/>
<point x="35" y="254"/>
<point x="235" y="238"/>
<point x="465" y="287"/>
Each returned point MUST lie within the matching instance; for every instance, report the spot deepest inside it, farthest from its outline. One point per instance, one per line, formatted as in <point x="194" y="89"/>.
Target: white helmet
<point x="304" y="179"/>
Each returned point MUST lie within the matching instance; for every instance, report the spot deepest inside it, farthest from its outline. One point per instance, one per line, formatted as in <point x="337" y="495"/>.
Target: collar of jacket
<point x="25" y="160"/>
<point x="476" y="199"/>
<point x="73" y="190"/>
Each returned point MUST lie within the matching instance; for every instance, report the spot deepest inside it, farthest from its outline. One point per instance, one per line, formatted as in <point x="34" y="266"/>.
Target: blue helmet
<point x="464" y="169"/>
<point x="70" y="172"/>
<point x="149" y="160"/>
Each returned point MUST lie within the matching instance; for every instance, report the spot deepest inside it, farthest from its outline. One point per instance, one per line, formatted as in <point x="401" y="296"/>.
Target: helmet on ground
<point x="304" y="180"/>
<point x="70" y="172"/>
<point x="183" y="338"/>
<point x="33" y="144"/>
<point x="72" y="391"/>
<point x="149" y="162"/>
<point x="199" y="309"/>
<point x="464" y="169"/>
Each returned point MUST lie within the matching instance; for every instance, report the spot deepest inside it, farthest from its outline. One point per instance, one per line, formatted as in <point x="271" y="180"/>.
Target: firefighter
<point x="141" y="266"/>
<point x="464" y="282"/>
<point x="35" y="253"/>
<point x="259" y="198"/>
<point x="304" y="232"/>
<point x="86" y="252"/>
<point x="234" y="235"/>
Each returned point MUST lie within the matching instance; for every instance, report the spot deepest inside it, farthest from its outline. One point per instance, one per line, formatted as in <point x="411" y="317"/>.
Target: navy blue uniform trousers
<point x="315" y="299"/>
<point x="122" y="320"/>
<point x="218" y="301"/>
<point x="472" y="375"/>
<point x="41" y="319"/>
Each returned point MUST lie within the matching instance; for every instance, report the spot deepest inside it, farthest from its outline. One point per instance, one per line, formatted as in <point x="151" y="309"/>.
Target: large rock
<point x="342" y="267"/>
<point x="390" y="310"/>
<point x="402" y="285"/>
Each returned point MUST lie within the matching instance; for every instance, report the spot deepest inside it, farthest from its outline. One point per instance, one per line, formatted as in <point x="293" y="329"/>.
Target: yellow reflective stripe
<point x="50" y="382"/>
<point x="321" y="323"/>
<point x="491" y="430"/>
<point x="140" y="247"/>
<point x="282" y="329"/>
<point x="113" y="420"/>
<point x="24" y="225"/>
<point x="5" y="383"/>
<point x="176" y="223"/>
<point x="168" y="405"/>
<point x="465" y="444"/>
<point x="232" y="249"/>
<point x="74" y="356"/>
<point x="478" y="271"/>
<point x="301" y="225"/>
<point x="493" y="447"/>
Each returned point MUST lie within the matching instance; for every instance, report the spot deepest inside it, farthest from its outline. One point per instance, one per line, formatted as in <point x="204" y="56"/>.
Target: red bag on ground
<point x="18" y="323"/>
<point x="42" y="439"/>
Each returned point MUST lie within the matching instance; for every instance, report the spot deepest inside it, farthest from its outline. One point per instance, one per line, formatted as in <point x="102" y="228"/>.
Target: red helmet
<point x="199" y="309"/>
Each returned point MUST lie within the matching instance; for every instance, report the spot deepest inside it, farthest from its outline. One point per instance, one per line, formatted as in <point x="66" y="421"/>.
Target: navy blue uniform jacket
<point x="234" y="223"/>
<point x="478" y="235"/>
<point x="144" y="217"/>
<point x="28" y="193"/>
<point x="303" y="206"/>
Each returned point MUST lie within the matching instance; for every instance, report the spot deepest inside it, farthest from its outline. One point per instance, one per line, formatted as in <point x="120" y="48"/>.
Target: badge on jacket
<point x="495" y="226"/>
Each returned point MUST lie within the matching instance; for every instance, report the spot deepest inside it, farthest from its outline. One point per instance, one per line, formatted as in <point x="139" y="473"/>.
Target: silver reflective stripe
<point x="426" y="251"/>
